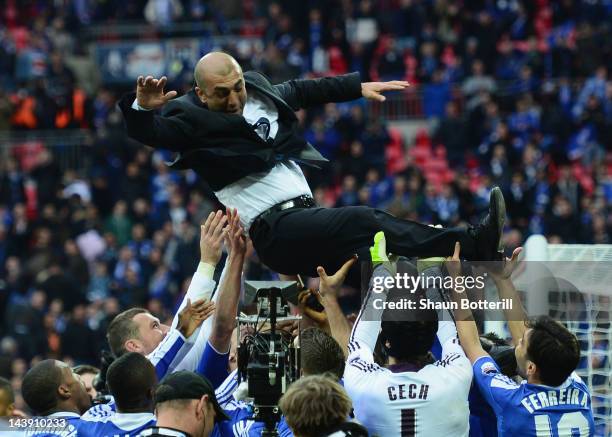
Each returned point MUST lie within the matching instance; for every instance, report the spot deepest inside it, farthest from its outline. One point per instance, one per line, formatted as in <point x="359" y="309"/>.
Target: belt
<point x="297" y="202"/>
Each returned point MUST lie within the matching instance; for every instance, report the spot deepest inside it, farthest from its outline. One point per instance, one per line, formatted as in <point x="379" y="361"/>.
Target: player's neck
<point x="173" y="419"/>
<point x="64" y="407"/>
<point x="534" y="380"/>
<point x="420" y="361"/>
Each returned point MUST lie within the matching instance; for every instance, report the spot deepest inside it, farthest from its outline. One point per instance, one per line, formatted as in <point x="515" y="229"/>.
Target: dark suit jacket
<point x="223" y="148"/>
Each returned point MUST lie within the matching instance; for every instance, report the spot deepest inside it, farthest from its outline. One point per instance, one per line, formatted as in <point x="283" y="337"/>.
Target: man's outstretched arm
<point x="303" y="93"/>
<point x="464" y="320"/>
<point x="329" y="287"/>
<point x="516" y="314"/>
<point x="171" y="132"/>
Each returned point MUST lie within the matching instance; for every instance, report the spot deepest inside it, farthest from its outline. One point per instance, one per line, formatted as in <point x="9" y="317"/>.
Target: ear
<point x="201" y="406"/>
<point x="531" y="368"/>
<point x="63" y="391"/>
<point x="201" y="94"/>
<point x="133" y="345"/>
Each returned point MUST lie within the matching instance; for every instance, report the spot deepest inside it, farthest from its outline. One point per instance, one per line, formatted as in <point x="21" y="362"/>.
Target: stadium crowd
<point x="516" y="94"/>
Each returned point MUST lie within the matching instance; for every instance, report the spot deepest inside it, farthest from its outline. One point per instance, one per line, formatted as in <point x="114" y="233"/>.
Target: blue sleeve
<point x="495" y="387"/>
<point x="213" y="365"/>
<point x="167" y="351"/>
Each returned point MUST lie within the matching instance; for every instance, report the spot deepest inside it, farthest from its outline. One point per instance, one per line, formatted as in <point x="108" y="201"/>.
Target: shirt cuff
<point x="137" y="107"/>
<point x="208" y="270"/>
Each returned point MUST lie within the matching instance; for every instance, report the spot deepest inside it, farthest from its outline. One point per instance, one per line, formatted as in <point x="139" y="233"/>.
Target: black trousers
<point x="298" y="240"/>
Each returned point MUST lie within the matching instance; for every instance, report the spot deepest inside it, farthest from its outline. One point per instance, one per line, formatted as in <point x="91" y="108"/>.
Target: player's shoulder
<point x="575" y="380"/>
<point x="99" y="412"/>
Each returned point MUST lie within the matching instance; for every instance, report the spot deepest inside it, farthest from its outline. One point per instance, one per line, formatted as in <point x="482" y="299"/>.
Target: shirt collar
<point x="68" y="414"/>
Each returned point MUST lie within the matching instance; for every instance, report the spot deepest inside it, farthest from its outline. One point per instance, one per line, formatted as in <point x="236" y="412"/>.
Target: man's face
<point x="206" y="416"/>
<point x="224" y="93"/>
<point x="75" y="389"/>
<point x="87" y="379"/>
<point x="151" y="330"/>
<point x="6" y="403"/>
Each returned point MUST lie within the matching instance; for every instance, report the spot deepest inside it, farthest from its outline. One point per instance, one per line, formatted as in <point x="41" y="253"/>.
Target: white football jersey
<point x="432" y="401"/>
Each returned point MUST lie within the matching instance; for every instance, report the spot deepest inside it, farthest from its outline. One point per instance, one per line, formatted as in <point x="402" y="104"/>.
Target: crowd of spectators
<point x="515" y="93"/>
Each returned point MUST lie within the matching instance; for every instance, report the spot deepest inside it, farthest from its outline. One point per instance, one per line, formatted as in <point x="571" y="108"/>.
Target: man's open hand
<point x="501" y="271"/>
<point x="192" y="316"/>
<point x="374" y="90"/>
<point x="212" y="233"/>
<point x="319" y="317"/>
<point x="235" y="240"/>
<point x="453" y="263"/>
<point x="330" y="285"/>
<point x="150" y="92"/>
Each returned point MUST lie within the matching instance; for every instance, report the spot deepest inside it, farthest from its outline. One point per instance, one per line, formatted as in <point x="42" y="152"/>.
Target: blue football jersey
<point x="117" y="425"/>
<point x="72" y="426"/>
<point x="535" y="410"/>
<point x="483" y="422"/>
<point x="213" y="365"/>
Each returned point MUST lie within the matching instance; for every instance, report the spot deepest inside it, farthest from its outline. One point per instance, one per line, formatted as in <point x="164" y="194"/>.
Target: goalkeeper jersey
<point x="396" y="401"/>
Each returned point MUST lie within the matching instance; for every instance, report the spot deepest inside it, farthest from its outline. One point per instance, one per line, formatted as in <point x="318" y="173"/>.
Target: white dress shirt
<point x="257" y="192"/>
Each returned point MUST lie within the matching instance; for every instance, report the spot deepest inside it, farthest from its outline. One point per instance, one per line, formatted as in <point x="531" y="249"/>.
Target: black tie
<point x="262" y="127"/>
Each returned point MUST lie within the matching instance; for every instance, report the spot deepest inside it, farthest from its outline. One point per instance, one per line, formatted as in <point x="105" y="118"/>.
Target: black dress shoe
<point x="488" y="233"/>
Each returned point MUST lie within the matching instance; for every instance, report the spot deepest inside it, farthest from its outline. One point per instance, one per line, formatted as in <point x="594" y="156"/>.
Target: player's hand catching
<point x="503" y="270"/>
<point x="212" y="233"/>
<point x="374" y="90"/>
<point x="330" y="285"/>
<point x="319" y="317"/>
<point x="453" y="263"/>
<point x="150" y="92"/>
<point x="235" y="240"/>
<point x="193" y="315"/>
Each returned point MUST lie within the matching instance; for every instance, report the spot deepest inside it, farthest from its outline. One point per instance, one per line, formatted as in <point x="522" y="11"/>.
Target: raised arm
<point x="171" y="132"/>
<point x="303" y="93"/>
<point x="516" y="315"/>
<point x="329" y="286"/>
<point x="211" y="243"/>
<point x="464" y="320"/>
<point x="224" y="320"/>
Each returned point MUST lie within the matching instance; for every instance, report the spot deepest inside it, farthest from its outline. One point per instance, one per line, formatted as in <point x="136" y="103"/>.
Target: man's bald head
<point x="214" y="63"/>
<point x="220" y="83"/>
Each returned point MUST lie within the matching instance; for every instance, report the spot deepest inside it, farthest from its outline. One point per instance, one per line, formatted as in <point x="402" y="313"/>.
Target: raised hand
<point x="192" y="316"/>
<point x="212" y="233"/>
<point x="501" y="271"/>
<point x="235" y="240"/>
<point x="150" y="92"/>
<point x="373" y="90"/>
<point x="453" y="263"/>
<point x="330" y="285"/>
<point x="319" y="317"/>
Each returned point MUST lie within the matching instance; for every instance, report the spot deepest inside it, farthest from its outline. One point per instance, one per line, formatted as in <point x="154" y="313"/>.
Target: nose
<point x="234" y="101"/>
<point x="165" y="329"/>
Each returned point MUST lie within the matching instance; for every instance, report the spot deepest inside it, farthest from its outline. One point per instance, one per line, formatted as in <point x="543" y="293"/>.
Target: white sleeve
<point x="199" y="338"/>
<point x="172" y="348"/>
<point x="367" y="326"/>
<point x="137" y="107"/>
<point x="360" y="366"/>
<point x="201" y="287"/>
<point x="453" y="356"/>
